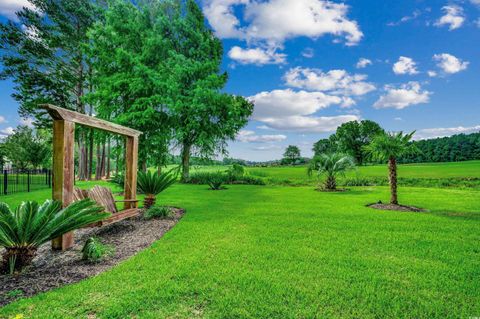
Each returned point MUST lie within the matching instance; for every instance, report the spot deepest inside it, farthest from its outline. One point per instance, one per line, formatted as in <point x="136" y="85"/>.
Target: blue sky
<point x="310" y="65"/>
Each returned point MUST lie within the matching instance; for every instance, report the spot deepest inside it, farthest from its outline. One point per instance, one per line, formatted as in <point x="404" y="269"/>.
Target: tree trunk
<point x="186" y="162"/>
<point x="102" y="167"/>
<point x="392" y="177"/>
<point x="159" y="169"/>
<point x="98" y="170"/>
<point x="108" y="159"/>
<point x="331" y="183"/>
<point x="90" y="155"/>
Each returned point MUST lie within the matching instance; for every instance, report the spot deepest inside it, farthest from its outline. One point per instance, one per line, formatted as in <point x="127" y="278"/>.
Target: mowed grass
<point x="298" y="174"/>
<point x="291" y="252"/>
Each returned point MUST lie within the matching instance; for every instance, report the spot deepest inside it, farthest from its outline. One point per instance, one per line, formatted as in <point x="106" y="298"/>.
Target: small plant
<point x="215" y="181"/>
<point x="158" y="212"/>
<point x="331" y="165"/>
<point x="94" y="251"/>
<point x="118" y="179"/>
<point x="152" y="184"/>
<point x="15" y="293"/>
<point x="23" y="230"/>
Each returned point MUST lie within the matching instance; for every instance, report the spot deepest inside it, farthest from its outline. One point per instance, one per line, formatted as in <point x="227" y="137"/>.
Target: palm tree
<point x="388" y="147"/>
<point x="23" y="230"/>
<point x="152" y="184"/>
<point x="331" y="165"/>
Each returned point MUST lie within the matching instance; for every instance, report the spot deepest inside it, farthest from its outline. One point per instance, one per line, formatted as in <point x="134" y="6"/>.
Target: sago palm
<point x="152" y="184"/>
<point x="331" y="165"/>
<point x="388" y="147"/>
<point x="30" y="225"/>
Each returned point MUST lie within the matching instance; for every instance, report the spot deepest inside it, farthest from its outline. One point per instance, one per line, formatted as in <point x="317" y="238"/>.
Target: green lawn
<point x="290" y="252"/>
<point x="298" y="174"/>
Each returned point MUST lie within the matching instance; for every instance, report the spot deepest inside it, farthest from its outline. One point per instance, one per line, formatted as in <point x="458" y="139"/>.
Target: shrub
<point x="22" y="231"/>
<point x="235" y="172"/>
<point x="94" y="251"/>
<point x="215" y="181"/>
<point x="152" y="184"/>
<point x="158" y="212"/>
<point x="118" y="179"/>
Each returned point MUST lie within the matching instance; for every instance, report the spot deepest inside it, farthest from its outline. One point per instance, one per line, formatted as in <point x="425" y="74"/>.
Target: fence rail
<point x="17" y="181"/>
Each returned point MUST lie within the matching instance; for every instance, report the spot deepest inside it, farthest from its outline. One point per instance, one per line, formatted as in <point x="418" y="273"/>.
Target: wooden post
<point x="63" y="172"/>
<point x="131" y="167"/>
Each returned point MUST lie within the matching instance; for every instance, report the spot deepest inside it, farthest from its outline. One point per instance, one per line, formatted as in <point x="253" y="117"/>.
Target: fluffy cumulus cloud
<point x="453" y="17"/>
<point x="251" y="137"/>
<point x="337" y="82"/>
<point x="405" y="65"/>
<point x="403" y="96"/>
<point x="7" y="131"/>
<point x="449" y="63"/>
<point x="283" y="103"/>
<point x="256" y="56"/>
<point x="257" y="25"/>
<point x="291" y="110"/>
<point x="445" y="131"/>
<point x="310" y="124"/>
<point x="9" y="7"/>
<point x="363" y="63"/>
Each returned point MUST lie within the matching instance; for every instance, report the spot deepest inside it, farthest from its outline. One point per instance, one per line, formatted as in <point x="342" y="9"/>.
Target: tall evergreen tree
<point x="43" y="53"/>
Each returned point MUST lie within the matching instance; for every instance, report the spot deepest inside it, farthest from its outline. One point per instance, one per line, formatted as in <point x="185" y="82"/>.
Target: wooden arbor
<point x="63" y="158"/>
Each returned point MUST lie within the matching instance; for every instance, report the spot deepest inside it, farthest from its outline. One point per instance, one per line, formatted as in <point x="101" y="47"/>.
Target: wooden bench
<point x="103" y="196"/>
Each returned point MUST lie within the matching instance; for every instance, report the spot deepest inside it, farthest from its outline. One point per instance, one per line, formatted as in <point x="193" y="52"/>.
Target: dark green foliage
<point x="27" y="147"/>
<point x="158" y="212"/>
<point x="455" y="148"/>
<point x="23" y="230"/>
<point x="94" y="251"/>
<point x="235" y="172"/>
<point x="352" y="137"/>
<point x="291" y="155"/>
<point x="118" y="179"/>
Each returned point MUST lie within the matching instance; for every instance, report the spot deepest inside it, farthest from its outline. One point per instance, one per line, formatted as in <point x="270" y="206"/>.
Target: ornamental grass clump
<point x="30" y="225"/>
<point x="331" y="166"/>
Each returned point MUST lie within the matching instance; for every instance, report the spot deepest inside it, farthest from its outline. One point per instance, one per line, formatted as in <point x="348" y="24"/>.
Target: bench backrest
<point x="103" y="196"/>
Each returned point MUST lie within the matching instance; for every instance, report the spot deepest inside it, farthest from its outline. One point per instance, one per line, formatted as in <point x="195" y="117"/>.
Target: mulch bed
<point x="52" y="269"/>
<point x="400" y="208"/>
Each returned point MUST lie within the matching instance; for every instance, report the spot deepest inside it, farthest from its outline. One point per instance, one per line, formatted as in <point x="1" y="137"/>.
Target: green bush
<point x="94" y="251"/>
<point x="152" y="184"/>
<point x="118" y="179"/>
<point x="216" y="181"/>
<point x="23" y="230"/>
<point x="158" y="212"/>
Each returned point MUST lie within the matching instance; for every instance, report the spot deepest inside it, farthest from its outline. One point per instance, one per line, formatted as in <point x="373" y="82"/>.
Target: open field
<point x="291" y="252"/>
<point x="458" y="174"/>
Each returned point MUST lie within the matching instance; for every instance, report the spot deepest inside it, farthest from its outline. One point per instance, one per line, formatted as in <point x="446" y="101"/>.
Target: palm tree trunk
<point x="392" y="176"/>
<point x="331" y="183"/>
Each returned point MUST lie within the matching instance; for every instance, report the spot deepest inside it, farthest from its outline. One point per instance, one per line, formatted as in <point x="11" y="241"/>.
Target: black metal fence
<point x="17" y="181"/>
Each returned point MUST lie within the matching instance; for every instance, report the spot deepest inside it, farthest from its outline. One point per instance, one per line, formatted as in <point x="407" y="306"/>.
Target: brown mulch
<point x="400" y="208"/>
<point x="52" y="269"/>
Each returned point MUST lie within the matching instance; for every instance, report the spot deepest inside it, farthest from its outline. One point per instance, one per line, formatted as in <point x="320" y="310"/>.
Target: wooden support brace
<point x="131" y="163"/>
<point x="63" y="172"/>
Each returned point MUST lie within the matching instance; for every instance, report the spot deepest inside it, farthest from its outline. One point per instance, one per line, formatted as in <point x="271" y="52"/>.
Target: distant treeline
<point x="455" y="148"/>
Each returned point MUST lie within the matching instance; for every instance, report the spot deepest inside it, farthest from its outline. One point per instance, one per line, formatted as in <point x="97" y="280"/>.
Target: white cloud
<point x="310" y="124"/>
<point x="308" y="53"/>
<point x="267" y="147"/>
<point x="398" y="119"/>
<point x="432" y="73"/>
<point x="402" y="97"/>
<point x="9" y="7"/>
<point x="7" y="131"/>
<point x="449" y="63"/>
<point x="283" y="103"/>
<point x="404" y="19"/>
<point x="2" y="119"/>
<point x="256" y="56"/>
<point x="363" y="63"/>
<point x="334" y="81"/>
<point x="445" y="131"/>
<point x="250" y="137"/>
<point x="453" y="16"/>
<point x="291" y="110"/>
<point x="275" y="21"/>
<point x="405" y="65"/>
<point x="27" y="121"/>
<point x="476" y="2"/>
